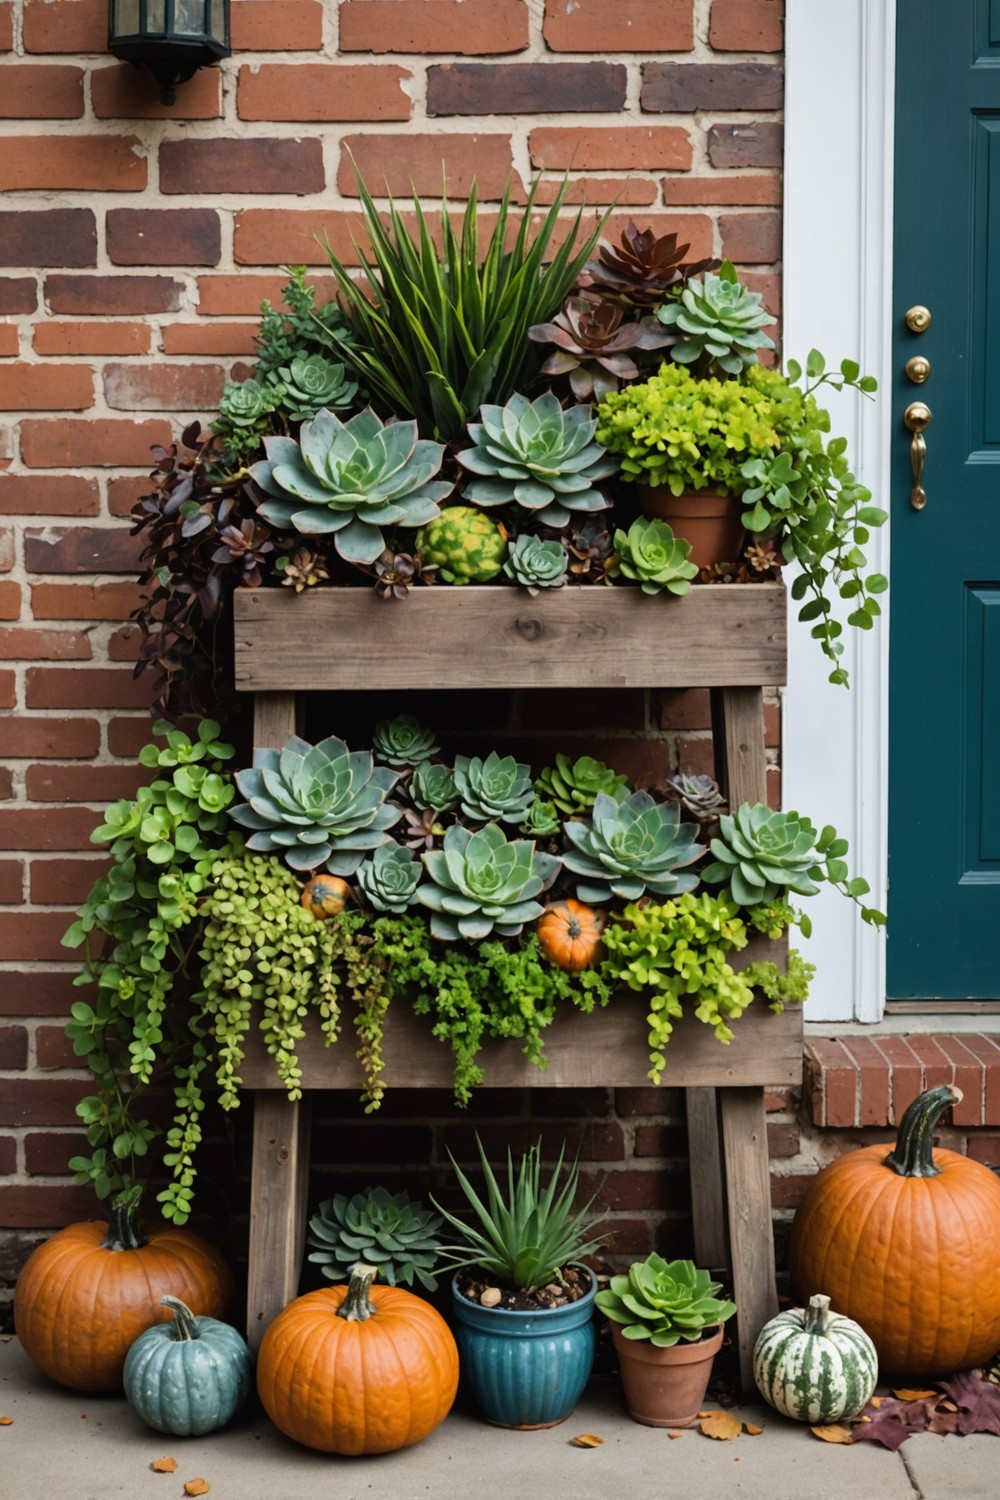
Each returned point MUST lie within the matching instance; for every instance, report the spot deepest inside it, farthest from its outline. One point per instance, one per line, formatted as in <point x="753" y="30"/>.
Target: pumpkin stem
<point x="913" y="1155"/>
<point x="817" y="1314"/>
<point x="357" y="1306"/>
<point x="123" y="1227"/>
<point x="185" y="1326"/>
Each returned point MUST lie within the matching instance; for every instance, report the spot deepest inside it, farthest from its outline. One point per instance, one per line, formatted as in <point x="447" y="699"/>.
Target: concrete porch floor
<point x="63" y="1445"/>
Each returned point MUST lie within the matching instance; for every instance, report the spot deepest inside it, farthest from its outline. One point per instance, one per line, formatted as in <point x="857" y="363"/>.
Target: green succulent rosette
<point x="482" y="884"/>
<point x="388" y="1230"/>
<point x="761" y="854"/>
<point x="719" y="322"/>
<point x="311" y="382"/>
<point x="537" y="456"/>
<point x="389" y="879"/>
<point x="433" y="785"/>
<point x="536" y="564"/>
<point x="349" y="479"/>
<point x="402" y="742"/>
<point x="316" y="805"/>
<point x="542" y="821"/>
<point x="656" y="559"/>
<point x="572" y="785"/>
<point x="498" y="788"/>
<point x="664" y="1301"/>
<point x="630" y="847"/>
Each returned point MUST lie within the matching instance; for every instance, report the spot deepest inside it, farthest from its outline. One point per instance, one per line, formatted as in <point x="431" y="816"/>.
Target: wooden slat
<point x="501" y="637"/>
<point x="277" y="1209"/>
<point x="738" y="732"/>
<point x="273" y="720"/>
<point x="708" y="1196"/>
<point x="748" y="1196"/>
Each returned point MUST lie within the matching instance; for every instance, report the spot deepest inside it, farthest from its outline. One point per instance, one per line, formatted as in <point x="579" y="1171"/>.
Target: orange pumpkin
<point x="325" y="895"/>
<point x="358" y="1369"/>
<point x="87" y="1293"/>
<point x="569" y="934"/>
<point x="906" y="1241"/>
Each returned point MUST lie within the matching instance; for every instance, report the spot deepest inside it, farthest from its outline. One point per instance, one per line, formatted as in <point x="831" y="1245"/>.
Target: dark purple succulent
<point x="594" y="346"/>
<point x="643" y="268"/>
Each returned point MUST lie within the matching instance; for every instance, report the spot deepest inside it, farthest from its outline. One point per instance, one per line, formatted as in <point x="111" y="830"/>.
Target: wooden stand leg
<point x="277" y="1208"/>
<point x="708" y="1199"/>
<point x="751" y="1239"/>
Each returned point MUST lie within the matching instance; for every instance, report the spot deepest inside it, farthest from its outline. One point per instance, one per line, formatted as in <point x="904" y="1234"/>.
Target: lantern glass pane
<point x="189" y="17"/>
<point x="126" y="14"/>
<point x="156" y="17"/>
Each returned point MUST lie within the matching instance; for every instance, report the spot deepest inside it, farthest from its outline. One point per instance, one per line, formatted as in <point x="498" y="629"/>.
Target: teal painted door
<point x="944" y="739"/>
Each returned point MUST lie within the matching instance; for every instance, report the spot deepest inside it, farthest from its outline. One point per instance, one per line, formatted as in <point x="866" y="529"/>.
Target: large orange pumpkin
<point x="569" y="934"/>
<point x="87" y="1293"/>
<point x="358" y="1369"/>
<point x="906" y="1241"/>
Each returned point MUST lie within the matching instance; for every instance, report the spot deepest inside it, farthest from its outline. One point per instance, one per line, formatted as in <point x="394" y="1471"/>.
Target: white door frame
<point x="837" y="269"/>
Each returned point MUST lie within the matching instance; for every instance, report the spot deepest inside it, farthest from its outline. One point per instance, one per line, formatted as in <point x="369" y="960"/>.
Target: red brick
<point x="39" y="828"/>
<point x="8" y="690"/>
<point x="747" y="25"/>
<point x="637" y="192"/>
<point x="32" y="935"/>
<point x="126" y="737"/>
<point x="838" y="1083"/>
<point x="164" y="236"/>
<point x="695" y="230"/>
<point x="47" y="1153"/>
<point x="65" y="26"/>
<point x="985" y="1148"/>
<point x="209" y="338"/>
<point x="277" y="236"/>
<point x="6" y="784"/>
<point x="13" y="1047"/>
<point x="968" y="1074"/>
<point x="751" y="239"/>
<point x="405" y="163"/>
<point x="271" y="164"/>
<point x="11" y="881"/>
<point x="873" y="1104"/>
<point x="123" y="92"/>
<point x="123" y="644"/>
<point x="10" y="601"/>
<point x="762" y="188"/>
<point x="323" y="91"/>
<point x="8" y="1145"/>
<point x="10" y="343"/>
<point x="51" y="783"/>
<point x="652" y="1100"/>
<point x="627" y="26"/>
<point x="988" y="1049"/>
<point x="81" y="163"/>
<point x="25" y="643"/>
<point x="685" y="708"/>
<point x="935" y="1061"/>
<point x="907" y="1079"/>
<point x="45" y="1207"/>
<point x="84" y="601"/>
<point x="660" y="1140"/>
<point x="6" y="549"/>
<point x="753" y="144"/>
<point x="623" y="148"/>
<point x="683" y="88"/>
<point x="41" y="92"/>
<point x="277" y="26"/>
<point x="50" y="237"/>
<point x="162" y="387"/>
<point x="63" y="881"/>
<point x="783" y="1140"/>
<point x="124" y="491"/>
<point x="695" y="757"/>
<point x="40" y="993"/>
<point x="630" y="1192"/>
<point x="468" y="27"/>
<point x="53" y="1049"/>
<point x="525" y="88"/>
<point x="91" y="338"/>
<point x="102" y="442"/>
<point x="18" y="294"/>
<point x="74" y="687"/>
<point x="227" y="296"/>
<point x="789" y="1189"/>
<point x="48" y="387"/>
<point x="56" y="738"/>
<point x="6" y="27"/>
<point x="113" y="294"/>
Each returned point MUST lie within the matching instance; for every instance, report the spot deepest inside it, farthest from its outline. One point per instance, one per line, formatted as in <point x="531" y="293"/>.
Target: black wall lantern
<point x="172" y="38"/>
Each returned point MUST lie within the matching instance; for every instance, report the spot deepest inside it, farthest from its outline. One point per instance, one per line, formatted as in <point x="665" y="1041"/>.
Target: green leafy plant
<point x="482" y="883"/>
<point x="389" y="878"/>
<point x="664" y="1301"/>
<point x="572" y="785"/>
<point x="498" y="788"/>
<point x="437" y="332"/>
<point x="651" y="554"/>
<point x="527" y="1234"/>
<point x="390" y="1231"/>
<point x="631" y="846"/>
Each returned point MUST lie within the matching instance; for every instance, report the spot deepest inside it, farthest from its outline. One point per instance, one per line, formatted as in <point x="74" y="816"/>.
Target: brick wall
<point x="136" y="243"/>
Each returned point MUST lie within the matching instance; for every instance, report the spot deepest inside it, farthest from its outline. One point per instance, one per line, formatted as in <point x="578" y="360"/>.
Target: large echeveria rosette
<point x="482" y="884"/>
<point x="316" y="806"/>
<point x="631" y="846"/>
<point x="497" y="789"/>
<point x="349" y="479"/>
<point x="762" y="854"/>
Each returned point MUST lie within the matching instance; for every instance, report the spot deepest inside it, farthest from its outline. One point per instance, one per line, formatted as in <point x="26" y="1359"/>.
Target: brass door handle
<point x="917" y="417"/>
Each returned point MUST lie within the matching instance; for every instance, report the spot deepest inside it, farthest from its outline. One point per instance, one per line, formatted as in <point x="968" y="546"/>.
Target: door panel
<point x="944" y="750"/>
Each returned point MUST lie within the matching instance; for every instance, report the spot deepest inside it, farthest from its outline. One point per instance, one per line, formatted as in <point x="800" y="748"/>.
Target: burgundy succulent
<point x="642" y="268"/>
<point x="594" y="345"/>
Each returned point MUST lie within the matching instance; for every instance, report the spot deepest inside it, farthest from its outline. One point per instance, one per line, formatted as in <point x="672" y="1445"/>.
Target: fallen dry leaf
<point x="163" y="1465"/>
<point x="833" y="1434"/>
<point x="6" y="1421"/>
<point x="197" y="1487"/>
<point x="586" y="1440"/>
<point x="752" y="1430"/>
<point x="907" y="1395"/>
<point x="876" y="1401"/>
<point x="721" y="1425"/>
<point x="675" y="1434"/>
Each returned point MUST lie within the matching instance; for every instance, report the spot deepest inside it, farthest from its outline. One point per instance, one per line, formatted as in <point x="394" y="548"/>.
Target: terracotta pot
<point x="665" y="1387"/>
<point x="710" y="522"/>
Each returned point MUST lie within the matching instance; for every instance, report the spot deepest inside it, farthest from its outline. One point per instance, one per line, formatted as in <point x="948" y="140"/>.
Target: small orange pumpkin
<point x="358" y="1369"/>
<point x="325" y="895"/>
<point x="85" y="1295"/>
<point x="570" y="935"/>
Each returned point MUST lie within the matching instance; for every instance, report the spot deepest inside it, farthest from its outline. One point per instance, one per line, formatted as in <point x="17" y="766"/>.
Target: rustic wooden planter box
<point x="728" y="639"/>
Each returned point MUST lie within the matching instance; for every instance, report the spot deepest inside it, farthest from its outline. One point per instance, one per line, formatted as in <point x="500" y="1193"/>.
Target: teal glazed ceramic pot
<point x="525" y="1369"/>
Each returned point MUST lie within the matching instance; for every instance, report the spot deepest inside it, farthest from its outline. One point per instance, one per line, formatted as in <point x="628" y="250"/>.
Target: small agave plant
<point x="538" y="456"/>
<point x="630" y="847"/>
<point x="316" y="805"/>
<point x="482" y="884"/>
<point x="393" y="1232"/>
<point x="350" y="479"/>
<point x="498" y="788"/>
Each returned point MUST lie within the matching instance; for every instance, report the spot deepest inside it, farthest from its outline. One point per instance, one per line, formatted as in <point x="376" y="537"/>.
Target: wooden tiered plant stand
<point x="728" y="639"/>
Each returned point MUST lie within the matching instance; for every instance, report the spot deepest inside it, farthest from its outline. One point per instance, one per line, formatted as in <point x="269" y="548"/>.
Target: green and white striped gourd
<point x="815" y="1365"/>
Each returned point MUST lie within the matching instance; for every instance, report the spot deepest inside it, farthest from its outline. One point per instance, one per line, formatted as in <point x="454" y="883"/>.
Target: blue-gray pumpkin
<point x="187" y="1377"/>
